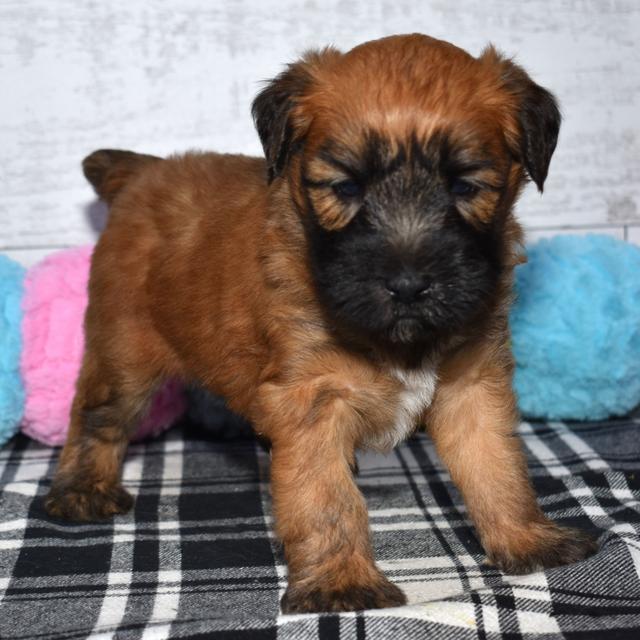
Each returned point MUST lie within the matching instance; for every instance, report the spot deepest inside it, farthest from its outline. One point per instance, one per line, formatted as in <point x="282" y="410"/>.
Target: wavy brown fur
<point x="240" y="273"/>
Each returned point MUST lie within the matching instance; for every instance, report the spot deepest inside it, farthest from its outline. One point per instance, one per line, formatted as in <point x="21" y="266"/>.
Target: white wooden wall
<point x="168" y="75"/>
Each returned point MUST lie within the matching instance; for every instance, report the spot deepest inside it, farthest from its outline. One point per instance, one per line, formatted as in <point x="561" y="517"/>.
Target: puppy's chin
<point x="408" y="331"/>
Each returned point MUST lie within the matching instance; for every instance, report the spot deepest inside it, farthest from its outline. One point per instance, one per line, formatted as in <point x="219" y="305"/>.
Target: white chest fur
<point x="417" y="389"/>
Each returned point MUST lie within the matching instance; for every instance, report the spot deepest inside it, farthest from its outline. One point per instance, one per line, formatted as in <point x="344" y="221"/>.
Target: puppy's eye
<point x="463" y="188"/>
<point x="347" y="189"/>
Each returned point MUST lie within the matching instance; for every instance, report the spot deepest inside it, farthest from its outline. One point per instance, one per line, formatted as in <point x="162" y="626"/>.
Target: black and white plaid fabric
<point x="197" y="557"/>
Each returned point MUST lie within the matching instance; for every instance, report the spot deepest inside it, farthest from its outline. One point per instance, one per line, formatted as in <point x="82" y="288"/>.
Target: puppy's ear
<point x="540" y="123"/>
<point x="538" y="117"/>
<point x="276" y="109"/>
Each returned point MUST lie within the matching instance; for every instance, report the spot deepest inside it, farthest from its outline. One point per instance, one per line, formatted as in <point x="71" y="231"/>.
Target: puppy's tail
<point x="109" y="170"/>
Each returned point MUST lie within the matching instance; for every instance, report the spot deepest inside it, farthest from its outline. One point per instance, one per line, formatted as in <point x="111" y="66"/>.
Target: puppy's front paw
<point x="352" y="598"/>
<point x="553" y="547"/>
<point x="87" y="504"/>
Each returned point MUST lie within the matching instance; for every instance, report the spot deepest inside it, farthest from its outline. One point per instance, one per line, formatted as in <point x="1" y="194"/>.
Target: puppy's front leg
<point x="321" y="516"/>
<point x="472" y="422"/>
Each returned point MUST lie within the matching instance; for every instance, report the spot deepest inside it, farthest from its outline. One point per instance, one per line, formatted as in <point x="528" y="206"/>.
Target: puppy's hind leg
<point x="106" y="409"/>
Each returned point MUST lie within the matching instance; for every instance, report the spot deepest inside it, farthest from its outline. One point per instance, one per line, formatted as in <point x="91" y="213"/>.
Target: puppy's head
<point x="404" y="157"/>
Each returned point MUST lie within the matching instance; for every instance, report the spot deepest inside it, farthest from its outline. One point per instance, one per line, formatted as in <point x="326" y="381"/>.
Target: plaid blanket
<point x="197" y="557"/>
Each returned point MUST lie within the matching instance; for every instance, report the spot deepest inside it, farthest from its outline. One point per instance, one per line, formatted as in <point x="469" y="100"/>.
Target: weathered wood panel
<point x="177" y="74"/>
<point x="633" y="235"/>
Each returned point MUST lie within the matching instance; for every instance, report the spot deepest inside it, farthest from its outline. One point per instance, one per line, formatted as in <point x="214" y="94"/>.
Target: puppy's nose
<point x="406" y="287"/>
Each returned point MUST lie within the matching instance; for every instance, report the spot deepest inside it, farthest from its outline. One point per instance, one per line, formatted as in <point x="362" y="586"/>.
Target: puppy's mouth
<point x="415" y="320"/>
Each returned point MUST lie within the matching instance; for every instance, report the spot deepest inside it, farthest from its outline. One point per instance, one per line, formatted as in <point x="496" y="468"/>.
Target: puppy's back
<point x="177" y="267"/>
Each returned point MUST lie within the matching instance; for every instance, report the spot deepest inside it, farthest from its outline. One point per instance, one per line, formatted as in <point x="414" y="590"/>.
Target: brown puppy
<point x="354" y="285"/>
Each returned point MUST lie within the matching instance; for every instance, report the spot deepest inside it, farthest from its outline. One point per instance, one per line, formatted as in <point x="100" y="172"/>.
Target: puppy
<point x="350" y="286"/>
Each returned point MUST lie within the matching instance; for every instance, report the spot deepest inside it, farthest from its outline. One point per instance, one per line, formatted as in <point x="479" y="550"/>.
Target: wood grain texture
<point x="178" y="74"/>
